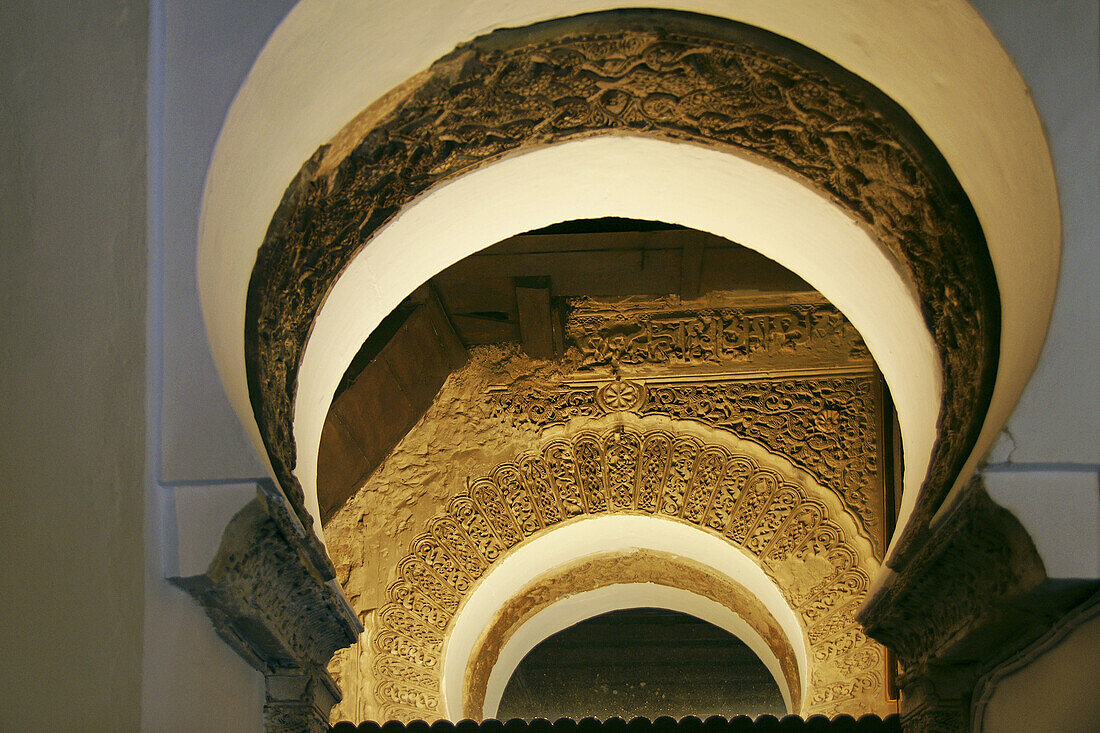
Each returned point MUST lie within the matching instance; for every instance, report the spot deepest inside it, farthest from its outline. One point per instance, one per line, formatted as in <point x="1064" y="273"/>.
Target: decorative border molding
<point x="674" y="76"/>
<point x="643" y="333"/>
<point x="824" y="424"/>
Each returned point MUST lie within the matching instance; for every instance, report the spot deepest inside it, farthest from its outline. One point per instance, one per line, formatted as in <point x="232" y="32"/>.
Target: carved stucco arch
<point x="614" y="581"/>
<point x="331" y="59"/>
<point x="675" y="77"/>
<point x="732" y="491"/>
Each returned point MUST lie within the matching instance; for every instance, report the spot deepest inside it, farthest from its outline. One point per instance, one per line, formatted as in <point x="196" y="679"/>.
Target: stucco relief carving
<point x="823" y="570"/>
<point x="649" y="333"/>
<point x="825" y="425"/>
<point x="672" y="76"/>
<point x="271" y="596"/>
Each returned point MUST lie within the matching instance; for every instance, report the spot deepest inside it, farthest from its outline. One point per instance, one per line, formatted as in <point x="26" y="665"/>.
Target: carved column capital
<point x="271" y="594"/>
<point x="299" y="701"/>
<point x="974" y="593"/>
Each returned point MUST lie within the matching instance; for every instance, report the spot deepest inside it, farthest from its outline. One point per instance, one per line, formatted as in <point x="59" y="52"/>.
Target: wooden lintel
<point x="535" y="316"/>
<point x="691" y="268"/>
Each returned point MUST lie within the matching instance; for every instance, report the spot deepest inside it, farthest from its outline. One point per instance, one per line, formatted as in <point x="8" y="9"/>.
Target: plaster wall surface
<point x="1054" y="44"/>
<point x="1056" y="691"/>
<point x="208" y="48"/>
<point x="72" y="382"/>
<point x="191" y="679"/>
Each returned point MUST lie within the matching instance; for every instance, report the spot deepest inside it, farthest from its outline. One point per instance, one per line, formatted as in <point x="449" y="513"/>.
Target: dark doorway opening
<point x="641" y="662"/>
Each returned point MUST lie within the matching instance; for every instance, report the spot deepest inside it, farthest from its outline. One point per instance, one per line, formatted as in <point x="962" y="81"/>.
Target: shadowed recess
<point x="640" y="662"/>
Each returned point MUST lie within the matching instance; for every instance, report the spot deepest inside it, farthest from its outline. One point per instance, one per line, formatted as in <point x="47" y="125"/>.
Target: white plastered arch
<point x="634" y="177"/>
<point x="330" y="59"/>
<point x="572" y="542"/>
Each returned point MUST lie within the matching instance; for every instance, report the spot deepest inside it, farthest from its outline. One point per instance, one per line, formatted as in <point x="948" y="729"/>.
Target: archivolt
<point x="668" y="75"/>
<point x="619" y="580"/>
<point x="797" y="533"/>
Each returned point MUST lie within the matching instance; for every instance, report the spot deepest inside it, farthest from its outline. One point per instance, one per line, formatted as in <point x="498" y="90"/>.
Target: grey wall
<point x="72" y="368"/>
<point x="1050" y="446"/>
<point x="200" y="54"/>
<point x="1056" y="46"/>
<point x="206" y="50"/>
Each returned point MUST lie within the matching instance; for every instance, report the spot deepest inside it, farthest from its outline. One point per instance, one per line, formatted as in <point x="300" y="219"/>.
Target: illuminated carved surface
<point x="796" y="538"/>
<point x="672" y="76"/>
<point x="824" y="425"/>
<point x="606" y="569"/>
<point x="643" y="333"/>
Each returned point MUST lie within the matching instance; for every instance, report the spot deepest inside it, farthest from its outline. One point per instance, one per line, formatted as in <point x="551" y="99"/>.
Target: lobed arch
<point x="715" y="515"/>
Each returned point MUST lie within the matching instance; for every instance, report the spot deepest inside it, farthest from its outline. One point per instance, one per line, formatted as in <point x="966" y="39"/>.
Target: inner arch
<point x="641" y="661"/>
<point x="569" y="543"/>
<point x="641" y="178"/>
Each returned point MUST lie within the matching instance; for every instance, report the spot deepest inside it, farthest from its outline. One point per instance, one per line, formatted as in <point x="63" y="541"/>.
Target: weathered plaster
<point x="457" y="436"/>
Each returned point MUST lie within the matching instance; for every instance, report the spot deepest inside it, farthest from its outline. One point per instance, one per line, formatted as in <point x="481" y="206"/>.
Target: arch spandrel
<point x="824" y="425"/>
<point x="796" y="531"/>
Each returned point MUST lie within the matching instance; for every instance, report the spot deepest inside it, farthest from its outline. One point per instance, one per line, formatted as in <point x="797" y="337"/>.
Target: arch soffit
<point x="265" y="137"/>
<point x="671" y="76"/>
<point x="745" y="514"/>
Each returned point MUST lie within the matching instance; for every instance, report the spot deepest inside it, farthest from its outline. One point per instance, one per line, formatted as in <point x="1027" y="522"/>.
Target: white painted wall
<point x="92" y="635"/>
<point x="72" y="364"/>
